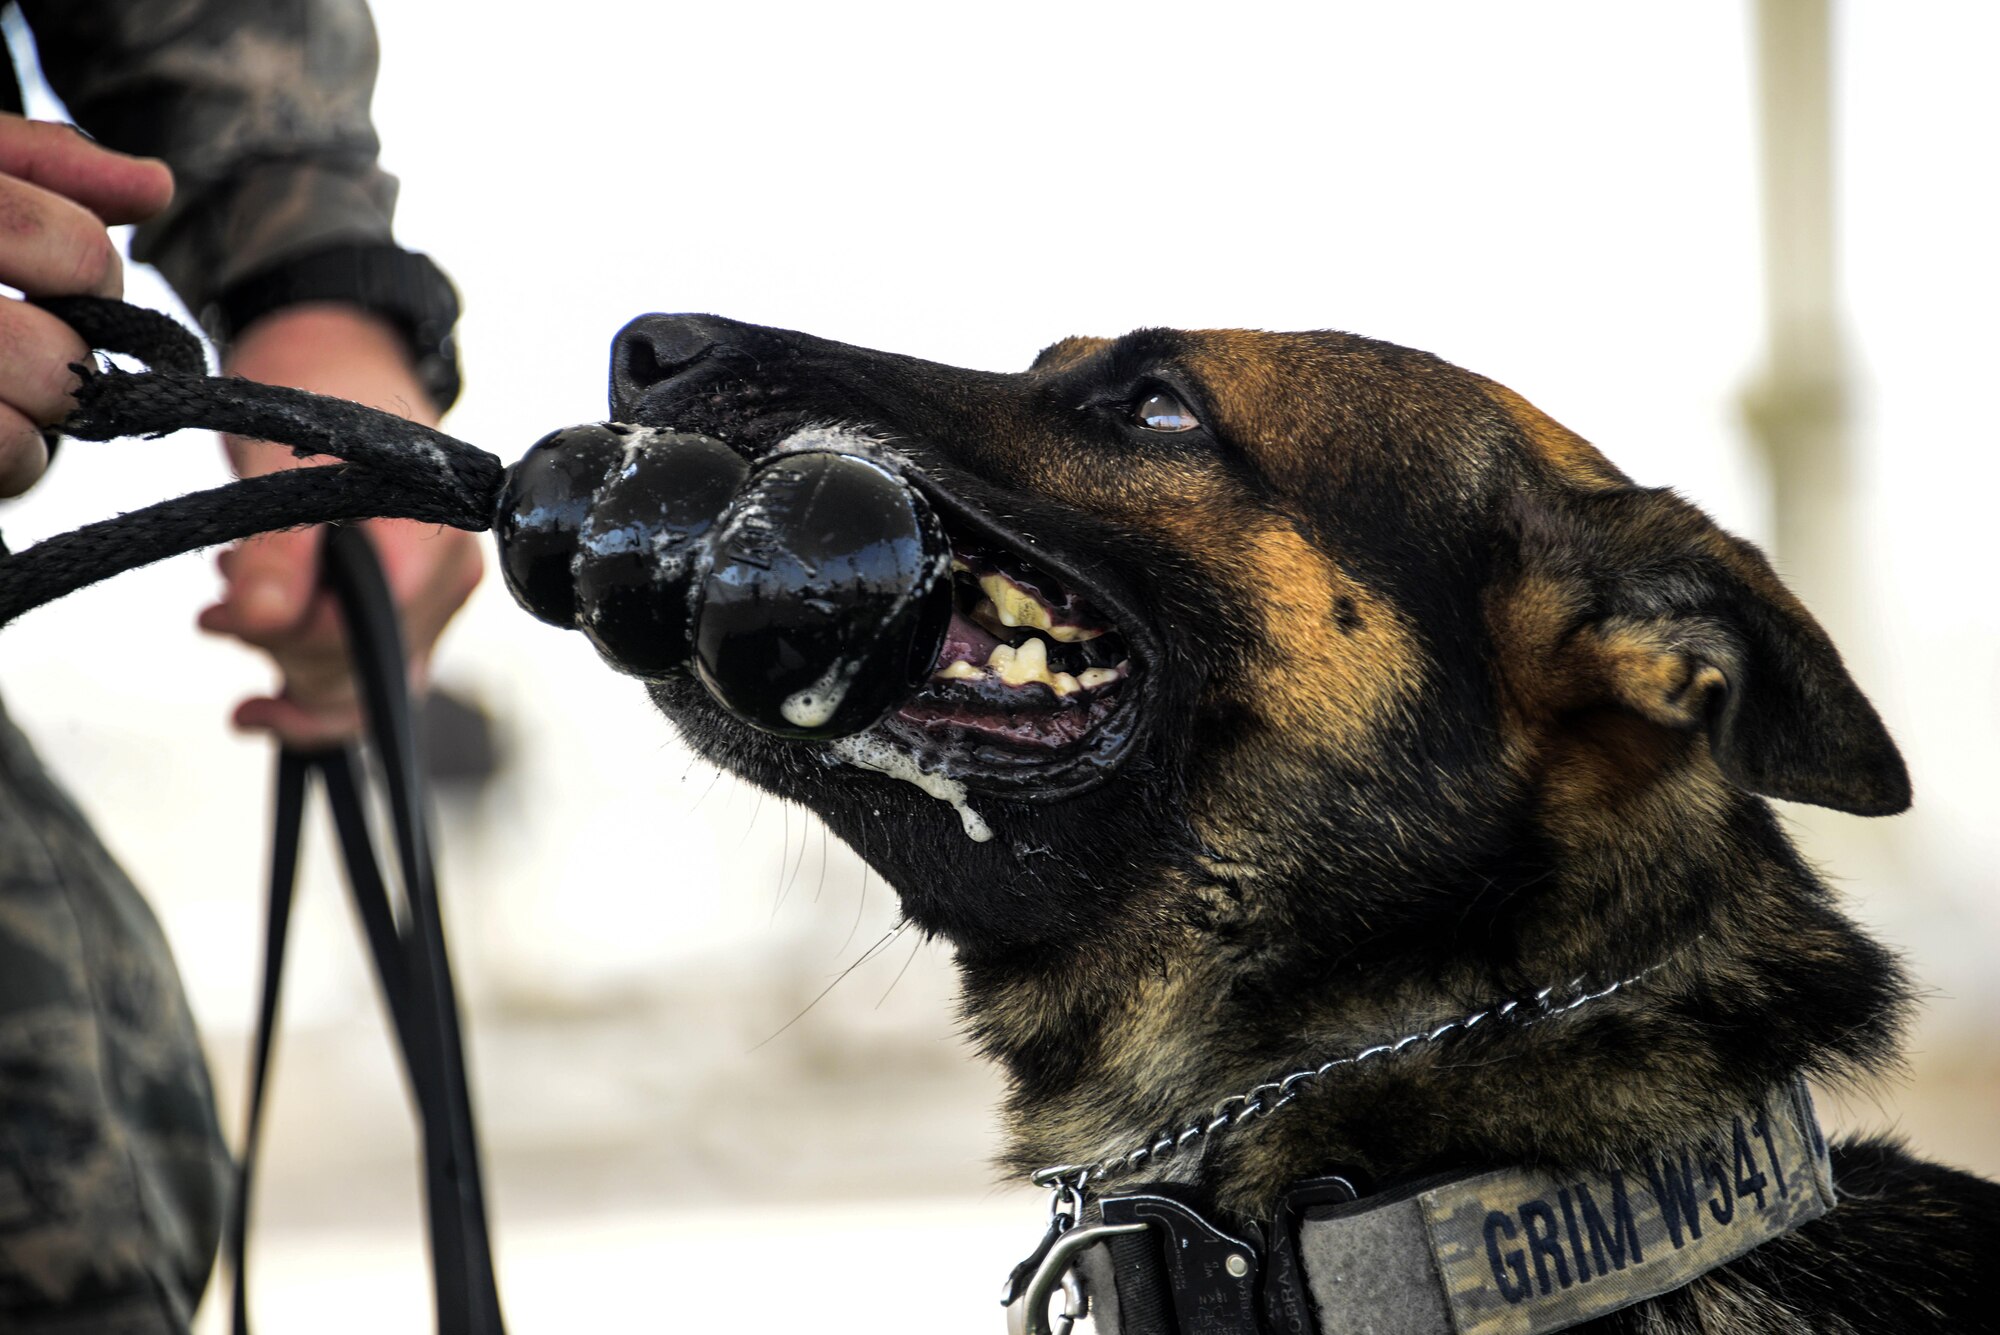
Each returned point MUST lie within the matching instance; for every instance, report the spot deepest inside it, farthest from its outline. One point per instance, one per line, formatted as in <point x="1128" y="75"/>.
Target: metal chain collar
<point x="1069" y="1180"/>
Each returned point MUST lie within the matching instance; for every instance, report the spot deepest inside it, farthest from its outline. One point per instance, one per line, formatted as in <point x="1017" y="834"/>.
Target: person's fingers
<point x="430" y="571"/>
<point x="311" y="655"/>
<point x="297" y="725"/>
<point x="317" y="702"/>
<point x="268" y="586"/>
<point x="54" y="247"/>
<point x="272" y="599"/>
<point x="58" y="191"/>
<point x="316" y="632"/>
<point x="116" y="187"/>
<point x="36" y="353"/>
<point x="24" y="452"/>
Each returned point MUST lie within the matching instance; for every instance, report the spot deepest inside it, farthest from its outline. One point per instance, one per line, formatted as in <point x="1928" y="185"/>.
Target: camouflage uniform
<point x="259" y="106"/>
<point x="113" y="1172"/>
<point x="113" y="1175"/>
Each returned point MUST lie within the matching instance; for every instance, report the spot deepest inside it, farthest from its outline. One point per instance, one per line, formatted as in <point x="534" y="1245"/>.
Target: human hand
<point x="272" y="596"/>
<point x="58" y="193"/>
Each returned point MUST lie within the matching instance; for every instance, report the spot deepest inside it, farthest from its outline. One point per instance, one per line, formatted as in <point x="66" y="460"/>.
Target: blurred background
<point x="1746" y="248"/>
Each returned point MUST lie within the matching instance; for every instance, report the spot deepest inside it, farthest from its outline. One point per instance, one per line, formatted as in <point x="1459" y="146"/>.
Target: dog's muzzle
<point x="1026" y="677"/>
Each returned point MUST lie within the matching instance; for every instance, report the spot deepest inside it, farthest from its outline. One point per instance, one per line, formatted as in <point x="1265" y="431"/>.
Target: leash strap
<point x="408" y="950"/>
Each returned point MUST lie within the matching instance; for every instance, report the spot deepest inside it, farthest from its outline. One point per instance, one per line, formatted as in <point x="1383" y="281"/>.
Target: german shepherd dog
<point x="1304" y="691"/>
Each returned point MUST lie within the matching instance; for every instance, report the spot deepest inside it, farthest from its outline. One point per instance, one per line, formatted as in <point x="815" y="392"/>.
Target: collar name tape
<point x="1525" y="1251"/>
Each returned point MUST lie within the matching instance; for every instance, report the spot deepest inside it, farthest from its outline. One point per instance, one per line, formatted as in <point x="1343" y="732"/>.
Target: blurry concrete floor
<point x="648" y="1168"/>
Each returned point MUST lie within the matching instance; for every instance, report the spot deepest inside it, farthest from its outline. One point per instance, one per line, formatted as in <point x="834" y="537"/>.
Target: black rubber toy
<point x="808" y="596"/>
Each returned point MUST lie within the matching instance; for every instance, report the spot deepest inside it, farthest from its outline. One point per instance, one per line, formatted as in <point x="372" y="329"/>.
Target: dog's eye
<point x="1161" y="411"/>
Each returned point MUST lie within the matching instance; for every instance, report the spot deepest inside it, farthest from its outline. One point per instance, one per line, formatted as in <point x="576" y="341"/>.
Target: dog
<point x="1306" y="695"/>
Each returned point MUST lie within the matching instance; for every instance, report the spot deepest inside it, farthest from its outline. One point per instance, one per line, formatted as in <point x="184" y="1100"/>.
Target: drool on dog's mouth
<point x="1035" y="690"/>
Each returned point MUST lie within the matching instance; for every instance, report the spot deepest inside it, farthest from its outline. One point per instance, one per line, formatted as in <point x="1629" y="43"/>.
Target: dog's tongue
<point x="966" y="641"/>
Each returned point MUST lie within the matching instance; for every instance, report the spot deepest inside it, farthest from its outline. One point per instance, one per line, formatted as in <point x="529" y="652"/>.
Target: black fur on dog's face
<point x="1390" y="629"/>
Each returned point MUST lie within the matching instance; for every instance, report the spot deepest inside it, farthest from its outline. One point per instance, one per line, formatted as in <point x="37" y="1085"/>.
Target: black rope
<point x="111" y="404"/>
<point x="289" y="802"/>
<point x="460" y="1253"/>
<point x="394" y="468"/>
<point x="109" y="325"/>
<point x="67" y="562"/>
<point x="408" y="950"/>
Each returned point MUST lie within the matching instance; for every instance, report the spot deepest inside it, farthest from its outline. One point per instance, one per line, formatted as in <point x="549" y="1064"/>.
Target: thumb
<point x="270" y="582"/>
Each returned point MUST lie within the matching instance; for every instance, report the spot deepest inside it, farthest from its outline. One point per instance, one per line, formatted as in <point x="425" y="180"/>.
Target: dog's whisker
<point x="915" y="946"/>
<point x="840" y="977"/>
<point x="785" y="857"/>
<point x="756" y="809"/>
<point x="798" y="865"/>
<point x="713" y="780"/>
<point x="820" y="888"/>
<point x="860" y="908"/>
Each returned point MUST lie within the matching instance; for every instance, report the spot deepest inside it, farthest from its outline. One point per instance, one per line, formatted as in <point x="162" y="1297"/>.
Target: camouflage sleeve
<point x="114" y="1178"/>
<point x="259" y="106"/>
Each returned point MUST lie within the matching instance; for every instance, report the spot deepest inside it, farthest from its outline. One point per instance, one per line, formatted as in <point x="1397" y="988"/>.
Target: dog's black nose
<point x="654" y="349"/>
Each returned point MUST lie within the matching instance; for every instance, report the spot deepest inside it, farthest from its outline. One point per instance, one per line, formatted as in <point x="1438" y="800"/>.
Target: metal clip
<point x="1028" y="1313"/>
<point x="1212" y="1275"/>
<point x="1065" y="1213"/>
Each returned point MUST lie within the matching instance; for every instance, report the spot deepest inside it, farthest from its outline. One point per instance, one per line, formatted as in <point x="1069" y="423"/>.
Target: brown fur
<point x="1450" y="712"/>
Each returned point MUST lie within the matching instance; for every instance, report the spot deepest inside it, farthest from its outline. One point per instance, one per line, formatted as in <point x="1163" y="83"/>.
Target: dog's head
<point x="1297" y="682"/>
<point x="1268" y="609"/>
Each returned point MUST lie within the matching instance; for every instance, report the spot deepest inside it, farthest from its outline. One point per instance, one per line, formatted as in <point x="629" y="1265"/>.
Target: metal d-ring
<point x="1076" y="1303"/>
<point x="1028" y="1314"/>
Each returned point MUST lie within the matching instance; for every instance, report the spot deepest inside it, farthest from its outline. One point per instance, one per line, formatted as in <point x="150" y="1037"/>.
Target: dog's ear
<point x="1686" y="625"/>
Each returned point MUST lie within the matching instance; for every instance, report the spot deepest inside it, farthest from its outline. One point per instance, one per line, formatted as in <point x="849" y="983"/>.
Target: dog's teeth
<point x="958" y="670"/>
<point x="1014" y="606"/>
<point x="1028" y="662"/>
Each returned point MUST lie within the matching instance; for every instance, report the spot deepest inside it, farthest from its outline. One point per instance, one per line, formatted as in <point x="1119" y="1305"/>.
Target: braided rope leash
<point x="1261" y="1101"/>
<point x="393" y="468"/>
